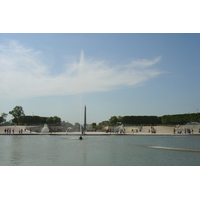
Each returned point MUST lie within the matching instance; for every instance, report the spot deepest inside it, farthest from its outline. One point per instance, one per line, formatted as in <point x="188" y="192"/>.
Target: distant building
<point x="85" y="125"/>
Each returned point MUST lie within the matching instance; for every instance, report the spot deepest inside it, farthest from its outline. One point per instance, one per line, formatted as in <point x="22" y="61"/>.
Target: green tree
<point x="3" y="117"/>
<point x="31" y="120"/>
<point x="56" y="120"/>
<point x="53" y="120"/>
<point x="102" y="124"/>
<point x="16" y="113"/>
<point x="120" y="119"/>
<point x="50" y="120"/>
<point x="113" y="120"/>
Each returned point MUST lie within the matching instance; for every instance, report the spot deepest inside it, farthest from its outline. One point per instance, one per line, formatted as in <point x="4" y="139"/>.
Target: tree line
<point x="181" y="118"/>
<point x="155" y="120"/>
<point x="135" y="120"/>
<point x="36" y="120"/>
<point x="20" y="118"/>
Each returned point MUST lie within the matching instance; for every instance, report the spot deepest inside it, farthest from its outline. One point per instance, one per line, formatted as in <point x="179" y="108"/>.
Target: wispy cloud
<point x="24" y="74"/>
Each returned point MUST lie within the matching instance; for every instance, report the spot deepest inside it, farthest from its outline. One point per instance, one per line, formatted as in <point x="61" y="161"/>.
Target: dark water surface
<point x="113" y="150"/>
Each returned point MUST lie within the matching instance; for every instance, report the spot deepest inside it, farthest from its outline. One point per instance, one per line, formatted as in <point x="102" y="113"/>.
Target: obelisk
<point x="85" y="119"/>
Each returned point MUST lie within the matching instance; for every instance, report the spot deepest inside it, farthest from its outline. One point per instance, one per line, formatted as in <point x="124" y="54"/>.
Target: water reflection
<point x="173" y="148"/>
<point x="16" y="154"/>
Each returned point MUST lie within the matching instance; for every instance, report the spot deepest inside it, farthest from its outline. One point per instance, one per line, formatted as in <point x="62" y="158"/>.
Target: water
<point x="113" y="150"/>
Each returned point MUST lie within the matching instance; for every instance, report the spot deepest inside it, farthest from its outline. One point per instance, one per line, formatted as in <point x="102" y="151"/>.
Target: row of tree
<point x="181" y="118"/>
<point x="135" y="120"/>
<point x="30" y="120"/>
<point x="154" y="120"/>
<point x="20" y="118"/>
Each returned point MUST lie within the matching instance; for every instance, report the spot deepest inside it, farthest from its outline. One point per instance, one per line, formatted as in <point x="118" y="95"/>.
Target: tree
<point x="31" y="120"/>
<point x="16" y="113"/>
<point x="102" y="124"/>
<point x="120" y="118"/>
<point x="3" y="117"/>
<point x="113" y="120"/>
<point x="53" y="120"/>
<point x="56" y="120"/>
<point x="49" y="120"/>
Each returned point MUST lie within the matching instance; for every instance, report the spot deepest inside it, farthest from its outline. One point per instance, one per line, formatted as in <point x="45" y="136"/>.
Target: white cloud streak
<point x="24" y="74"/>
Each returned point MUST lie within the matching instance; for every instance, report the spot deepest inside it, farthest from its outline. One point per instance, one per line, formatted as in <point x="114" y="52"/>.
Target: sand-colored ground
<point x="160" y="130"/>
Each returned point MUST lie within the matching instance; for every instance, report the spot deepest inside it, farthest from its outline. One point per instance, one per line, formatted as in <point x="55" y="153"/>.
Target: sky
<point x="112" y="74"/>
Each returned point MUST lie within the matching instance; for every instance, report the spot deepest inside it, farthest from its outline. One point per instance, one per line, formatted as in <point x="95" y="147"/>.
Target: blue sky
<point x="112" y="74"/>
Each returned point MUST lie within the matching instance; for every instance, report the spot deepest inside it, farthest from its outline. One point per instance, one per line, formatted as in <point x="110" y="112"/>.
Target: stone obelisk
<point x="85" y="119"/>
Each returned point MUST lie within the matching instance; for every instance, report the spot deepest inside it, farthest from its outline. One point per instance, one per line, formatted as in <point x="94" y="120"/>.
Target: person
<point x="80" y="138"/>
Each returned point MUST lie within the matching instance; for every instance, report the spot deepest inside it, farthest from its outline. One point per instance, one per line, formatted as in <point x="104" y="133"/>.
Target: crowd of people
<point x="12" y="131"/>
<point x="185" y="130"/>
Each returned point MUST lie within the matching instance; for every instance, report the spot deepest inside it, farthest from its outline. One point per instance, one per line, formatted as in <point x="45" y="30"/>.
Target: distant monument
<point x="45" y="129"/>
<point x="84" y="127"/>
